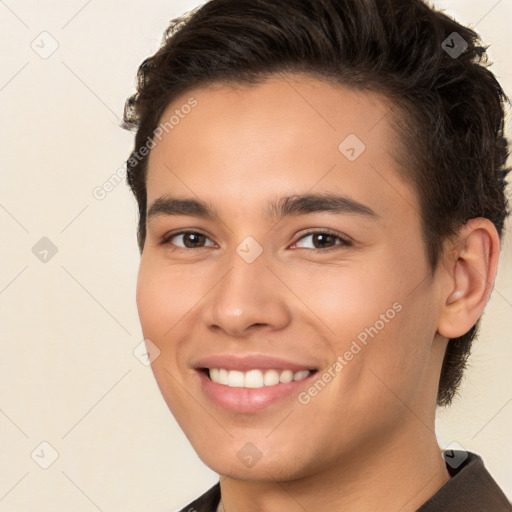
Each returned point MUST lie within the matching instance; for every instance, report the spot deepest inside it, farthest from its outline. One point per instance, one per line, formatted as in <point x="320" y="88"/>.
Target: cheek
<point x="164" y="296"/>
<point x="372" y="320"/>
<point x="345" y="299"/>
<point x="162" y="308"/>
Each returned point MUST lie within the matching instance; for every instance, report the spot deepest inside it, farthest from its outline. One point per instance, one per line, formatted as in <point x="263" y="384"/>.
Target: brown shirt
<point x="470" y="489"/>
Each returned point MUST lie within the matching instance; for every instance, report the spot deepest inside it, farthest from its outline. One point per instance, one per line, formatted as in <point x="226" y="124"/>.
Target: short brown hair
<point x="434" y="70"/>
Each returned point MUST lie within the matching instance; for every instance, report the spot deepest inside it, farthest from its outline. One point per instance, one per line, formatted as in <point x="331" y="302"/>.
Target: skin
<point x="365" y="442"/>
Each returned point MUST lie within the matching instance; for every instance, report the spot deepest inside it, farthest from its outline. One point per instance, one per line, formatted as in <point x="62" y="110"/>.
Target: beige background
<point x="69" y="326"/>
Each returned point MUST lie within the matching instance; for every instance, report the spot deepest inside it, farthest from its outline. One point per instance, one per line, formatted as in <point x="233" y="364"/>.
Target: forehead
<point x="286" y="135"/>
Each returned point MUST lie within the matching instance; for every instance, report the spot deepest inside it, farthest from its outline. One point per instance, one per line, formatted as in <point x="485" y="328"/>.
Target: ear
<point x="470" y="268"/>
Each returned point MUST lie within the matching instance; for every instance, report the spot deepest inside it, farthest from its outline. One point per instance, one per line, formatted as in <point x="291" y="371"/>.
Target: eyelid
<point x="165" y="239"/>
<point x="346" y="241"/>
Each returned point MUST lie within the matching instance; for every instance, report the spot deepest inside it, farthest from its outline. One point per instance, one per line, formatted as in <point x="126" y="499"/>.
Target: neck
<point x="398" y="474"/>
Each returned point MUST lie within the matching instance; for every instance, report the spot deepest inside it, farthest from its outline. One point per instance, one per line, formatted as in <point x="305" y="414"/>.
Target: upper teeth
<point x="254" y="378"/>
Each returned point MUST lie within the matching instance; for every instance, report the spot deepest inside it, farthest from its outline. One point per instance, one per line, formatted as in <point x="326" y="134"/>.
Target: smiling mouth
<point x="255" y="378"/>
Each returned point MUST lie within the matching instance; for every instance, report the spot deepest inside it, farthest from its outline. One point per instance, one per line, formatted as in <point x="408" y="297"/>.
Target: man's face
<point x="340" y="300"/>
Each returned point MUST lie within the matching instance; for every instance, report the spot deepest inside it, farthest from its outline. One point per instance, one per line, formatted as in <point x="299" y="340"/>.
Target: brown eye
<point x="189" y="240"/>
<point x="321" y="240"/>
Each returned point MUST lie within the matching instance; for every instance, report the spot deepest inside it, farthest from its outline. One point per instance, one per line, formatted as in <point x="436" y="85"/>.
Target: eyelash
<point x="345" y="241"/>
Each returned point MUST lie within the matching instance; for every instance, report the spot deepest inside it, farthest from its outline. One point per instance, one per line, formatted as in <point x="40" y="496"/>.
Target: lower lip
<point x="247" y="400"/>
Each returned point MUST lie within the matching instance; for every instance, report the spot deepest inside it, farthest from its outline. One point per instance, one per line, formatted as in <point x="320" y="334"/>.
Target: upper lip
<point x="245" y="363"/>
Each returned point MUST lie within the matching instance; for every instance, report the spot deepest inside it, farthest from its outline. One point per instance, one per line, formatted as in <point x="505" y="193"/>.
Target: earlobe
<point x="471" y="269"/>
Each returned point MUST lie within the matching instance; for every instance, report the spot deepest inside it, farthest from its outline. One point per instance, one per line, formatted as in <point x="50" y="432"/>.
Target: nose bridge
<point x="248" y="294"/>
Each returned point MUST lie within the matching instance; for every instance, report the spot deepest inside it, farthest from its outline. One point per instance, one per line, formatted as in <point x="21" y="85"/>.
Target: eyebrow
<point x="276" y="210"/>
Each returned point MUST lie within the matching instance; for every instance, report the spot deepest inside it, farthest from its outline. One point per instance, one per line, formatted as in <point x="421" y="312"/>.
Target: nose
<point x="248" y="297"/>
